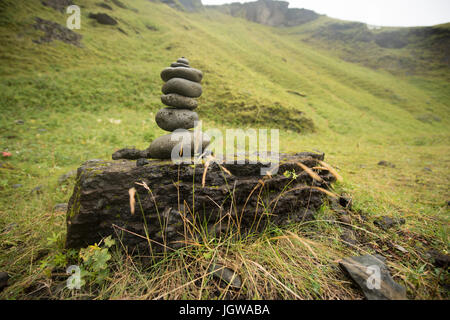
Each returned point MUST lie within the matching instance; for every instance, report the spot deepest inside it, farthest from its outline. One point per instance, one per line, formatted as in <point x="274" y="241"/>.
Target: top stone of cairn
<point x="181" y="62"/>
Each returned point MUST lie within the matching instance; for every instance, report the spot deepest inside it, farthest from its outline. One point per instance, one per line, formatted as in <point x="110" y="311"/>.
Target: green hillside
<point x="80" y="102"/>
<point x="399" y="50"/>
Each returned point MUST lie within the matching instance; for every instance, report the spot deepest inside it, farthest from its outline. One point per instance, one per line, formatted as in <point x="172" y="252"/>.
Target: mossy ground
<point x="84" y="103"/>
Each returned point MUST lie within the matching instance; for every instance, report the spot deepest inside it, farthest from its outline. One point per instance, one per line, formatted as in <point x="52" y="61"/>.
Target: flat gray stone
<point x="178" y="101"/>
<point x="223" y="273"/>
<point x="171" y="119"/>
<point x="182" y="72"/>
<point x="177" y="64"/>
<point x="128" y="153"/>
<point x="375" y="285"/>
<point x="161" y="147"/>
<point x="183" y="87"/>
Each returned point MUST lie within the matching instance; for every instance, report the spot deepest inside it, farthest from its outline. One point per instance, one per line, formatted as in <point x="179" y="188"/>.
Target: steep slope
<point x="419" y="50"/>
<point x="403" y="51"/>
<point x="249" y="71"/>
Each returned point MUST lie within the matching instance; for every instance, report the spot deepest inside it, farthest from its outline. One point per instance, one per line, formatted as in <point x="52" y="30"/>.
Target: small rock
<point x="38" y="190"/>
<point x="129" y="154"/>
<point x="183" y="87"/>
<point x="386" y="164"/>
<point x="399" y="248"/>
<point x="4" y="277"/>
<point x="349" y="237"/>
<point x="103" y="18"/>
<point x="386" y="223"/>
<point x="60" y="207"/>
<point x="16" y="186"/>
<point x="440" y="260"/>
<point x="372" y="276"/>
<point x="152" y="28"/>
<point x="20" y="122"/>
<point x="142" y="162"/>
<point x="223" y="273"/>
<point x="345" y="219"/>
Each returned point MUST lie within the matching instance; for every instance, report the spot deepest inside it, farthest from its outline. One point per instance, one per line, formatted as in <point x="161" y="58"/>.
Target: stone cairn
<point x="181" y="87"/>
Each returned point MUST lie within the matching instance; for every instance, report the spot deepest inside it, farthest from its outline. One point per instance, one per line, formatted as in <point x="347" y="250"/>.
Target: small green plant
<point x="290" y="174"/>
<point x="95" y="261"/>
<point x="92" y="260"/>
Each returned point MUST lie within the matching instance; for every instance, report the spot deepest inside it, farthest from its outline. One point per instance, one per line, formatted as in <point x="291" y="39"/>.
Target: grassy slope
<point x="360" y="117"/>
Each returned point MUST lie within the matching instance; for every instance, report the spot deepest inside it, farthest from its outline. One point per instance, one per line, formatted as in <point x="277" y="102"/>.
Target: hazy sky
<point x="377" y="12"/>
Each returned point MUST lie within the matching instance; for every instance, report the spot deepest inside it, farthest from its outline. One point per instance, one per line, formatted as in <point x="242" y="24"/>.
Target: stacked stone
<point x="182" y="86"/>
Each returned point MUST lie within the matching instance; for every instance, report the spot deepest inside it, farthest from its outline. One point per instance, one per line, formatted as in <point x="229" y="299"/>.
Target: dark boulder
<point x="165" y="200"/>
<point x="54" y="31"/>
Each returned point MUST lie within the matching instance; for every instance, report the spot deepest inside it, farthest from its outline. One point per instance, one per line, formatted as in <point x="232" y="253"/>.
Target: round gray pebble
<point x="171" y="119"/>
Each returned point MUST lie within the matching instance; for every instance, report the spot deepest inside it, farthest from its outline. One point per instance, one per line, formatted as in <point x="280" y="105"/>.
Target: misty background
<point x="399" y="13"/>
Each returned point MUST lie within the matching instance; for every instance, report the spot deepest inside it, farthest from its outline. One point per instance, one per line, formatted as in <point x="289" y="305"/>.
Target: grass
<point x="70" y="99"/>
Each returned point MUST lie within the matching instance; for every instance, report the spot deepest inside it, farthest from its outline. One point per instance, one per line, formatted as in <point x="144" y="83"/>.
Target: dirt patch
<point x="55" y="31"/>
<point x="59" y="5"/>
